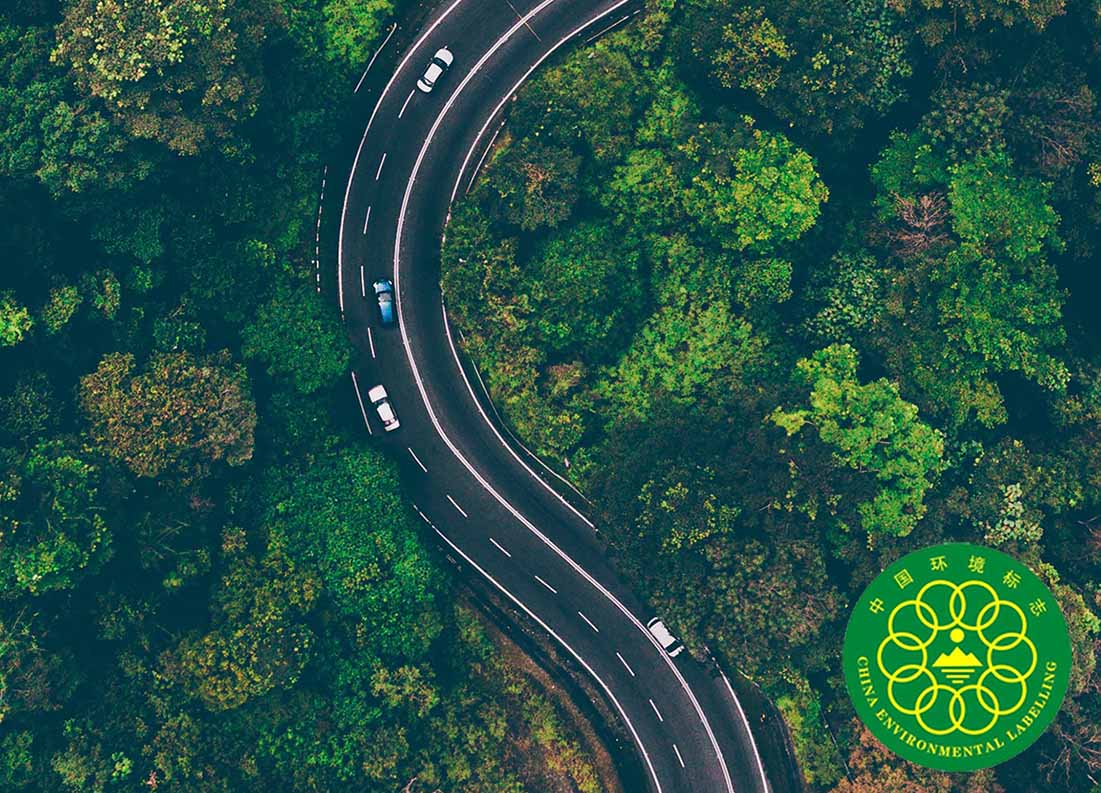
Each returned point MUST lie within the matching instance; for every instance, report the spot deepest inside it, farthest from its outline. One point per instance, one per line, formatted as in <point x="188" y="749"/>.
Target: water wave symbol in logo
<point x="957" y="657"/>
<point x="947" y="705"/>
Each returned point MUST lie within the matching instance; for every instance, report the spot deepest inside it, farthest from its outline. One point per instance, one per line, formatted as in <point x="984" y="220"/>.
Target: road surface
<point x="486" y="501"/>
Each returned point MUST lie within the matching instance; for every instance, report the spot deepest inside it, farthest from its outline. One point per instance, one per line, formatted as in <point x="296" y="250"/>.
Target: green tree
<point x="871" y="429"/>
<point x="259" y="639"/>
<point x="52" y="529"/>
<point x="351" y="28"/>
<point x="184" y="74"/>
<point x="585" y="291"/>
<point x="299" y="339"/>
<point x="533" y="184"/>
<point x="180" y="414"/>
<point x="772" y="195"/>
<point x="341" y="512"/>
<point x="15" y="320"/>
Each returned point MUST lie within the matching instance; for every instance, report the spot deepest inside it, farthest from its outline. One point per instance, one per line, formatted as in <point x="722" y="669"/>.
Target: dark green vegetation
<point x="792" y="288"/>
<point x="207" y="581"/>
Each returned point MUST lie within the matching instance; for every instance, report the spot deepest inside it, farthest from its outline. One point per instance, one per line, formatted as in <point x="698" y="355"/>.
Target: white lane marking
<point x="317" y="229"/>
<point x="362" y="282"/>
<point x="656" y="711"/>
<point x="605" y="30"/>
<point x="362" y="142"/>
<point x="600" y="681"/>
<point x="589" y="622"/>
<point x="418" y="459"/>
<point x="729" y="786"/>
<point x="679" y="758"/>
<point x="749" y="732"/>
<point x="381" y="163"/>
<point x="520" y="443"/>
<point x="456" y="506"/>
<point x="366" y="220"/>
<point x="500" y="547"/>
<point x="548" y="586"/>
<point x="371" y="341"/>
<point x="623" y="661"/>
<point x="408" y="99"/>
<point x="485" y="154"/>
<point x="362" y="409"/>
<point x="372" y="61"/>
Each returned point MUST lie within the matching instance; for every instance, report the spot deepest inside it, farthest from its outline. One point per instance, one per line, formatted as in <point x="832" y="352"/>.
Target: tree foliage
<point x="178" y="414"/>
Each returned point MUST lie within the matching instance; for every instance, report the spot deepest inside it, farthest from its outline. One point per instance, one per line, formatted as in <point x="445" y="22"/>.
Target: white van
<point x="665" y="638"/>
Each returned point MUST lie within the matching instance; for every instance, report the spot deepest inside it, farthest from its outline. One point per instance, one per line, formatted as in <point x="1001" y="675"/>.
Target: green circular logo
<point x="957" y="657"/>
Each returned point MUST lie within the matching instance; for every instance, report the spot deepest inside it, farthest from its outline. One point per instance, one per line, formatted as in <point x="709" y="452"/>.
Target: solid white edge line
<point x="405" y="104"/>
<point x="569" y="649"/>
<point x="381" y="163"/>
<point x="371" y="340"/>
<point x="623" y="661"/>
<point x="520" y="443"/>
<point x="362" y="409"/>
<point x="589" y="622"/>
<point x="679" y="758"/>
<point x="418" y="459"/>
<point x="435" y="419"/>
<point x="548" y="586"/>
<point x="745" y="723"/>
<point x="455" y="504"/>
<point x="605" y="30"/>
<point x="500" y="547"/>
<point x="371" y="63"/>
<point x="656" y="711"/>
<point x="482" y="159"/>
<point x="363" y="141"/>
<point x="366" y="220"/>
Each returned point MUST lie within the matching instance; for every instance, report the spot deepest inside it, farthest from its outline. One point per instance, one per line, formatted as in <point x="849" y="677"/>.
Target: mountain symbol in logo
<point x="957" y="665"/>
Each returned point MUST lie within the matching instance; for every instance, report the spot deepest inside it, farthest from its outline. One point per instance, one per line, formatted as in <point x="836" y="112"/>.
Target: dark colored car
<point x="384" y="292"/>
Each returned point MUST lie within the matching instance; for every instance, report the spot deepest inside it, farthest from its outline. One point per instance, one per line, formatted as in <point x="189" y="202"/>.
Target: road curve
<point x="488" y="503"/>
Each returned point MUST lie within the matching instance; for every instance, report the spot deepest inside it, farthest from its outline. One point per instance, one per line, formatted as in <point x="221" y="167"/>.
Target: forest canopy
<point x="855" y="277"/>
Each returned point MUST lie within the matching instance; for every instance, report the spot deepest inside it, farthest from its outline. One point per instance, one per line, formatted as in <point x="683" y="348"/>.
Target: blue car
<point x="384" y="291"/>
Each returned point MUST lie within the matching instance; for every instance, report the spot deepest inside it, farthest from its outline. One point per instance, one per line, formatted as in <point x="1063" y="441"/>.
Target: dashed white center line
<point x="589" y="622"/>
<point x="362" y="282"/>
<point x="359" y="398"/>
<point x="656" y="711"/>
<point x="381" y="163"/>
<point x="418" y="459"/>
<point x="406" y="104"/>
<point x="623" y="661"/>
<point x="456" y="506"/>
<point x="548" y="586"/>
<point x="367" y="220"/>
<point x="371" y="341"/>
<point x="500" y="547"/>
<point x="679" y="758"/>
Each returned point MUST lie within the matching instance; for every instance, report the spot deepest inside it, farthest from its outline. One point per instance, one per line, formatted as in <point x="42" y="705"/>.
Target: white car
<point x="665" y="638"/>
<point x="440" y="63"/>
<point x="381" y="402"/>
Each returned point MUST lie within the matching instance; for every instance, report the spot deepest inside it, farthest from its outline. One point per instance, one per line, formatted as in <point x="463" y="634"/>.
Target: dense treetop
<point x="858" y="246"/>
<point x="208" y="581"/>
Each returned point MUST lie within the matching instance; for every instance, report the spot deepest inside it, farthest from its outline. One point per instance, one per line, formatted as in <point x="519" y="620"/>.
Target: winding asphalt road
<point x="489" y="502"/>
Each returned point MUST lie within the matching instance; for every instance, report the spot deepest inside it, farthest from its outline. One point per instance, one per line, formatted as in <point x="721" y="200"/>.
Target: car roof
<point x="386" y="412"/>
<point x="433" y="71"/>
<point x="376" y="393"/>
<point x="661" y="633"/>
